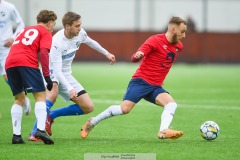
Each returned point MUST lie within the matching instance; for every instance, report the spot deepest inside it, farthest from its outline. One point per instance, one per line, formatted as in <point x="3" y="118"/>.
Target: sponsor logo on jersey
<point x="69" y="55"/>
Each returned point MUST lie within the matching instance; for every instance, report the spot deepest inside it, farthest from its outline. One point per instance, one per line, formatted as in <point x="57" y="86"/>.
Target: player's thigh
<point x="64" y="93"/>
<point x="163" y="99"/>
<point x="137" y="89"/>
<point x="20" y="98"/>
<point x="15" y="81"/>
<point x="32" y="79"/>
<point x="127" y="106"/>
<point x="39" y="96"/>
<point x="84" y="101"/>
<point x="52" y="95"/>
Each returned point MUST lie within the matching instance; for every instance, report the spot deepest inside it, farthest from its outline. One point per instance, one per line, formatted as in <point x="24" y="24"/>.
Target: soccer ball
<point x="209" y="130"/>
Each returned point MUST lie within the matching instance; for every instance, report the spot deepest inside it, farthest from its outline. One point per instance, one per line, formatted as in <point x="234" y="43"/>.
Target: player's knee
<point x="52" y="97"/>
<point x="88" y="109"/>
<point x="19" y="100"/>
<point x="125" y="110"/>
<point x="127" y="107"/>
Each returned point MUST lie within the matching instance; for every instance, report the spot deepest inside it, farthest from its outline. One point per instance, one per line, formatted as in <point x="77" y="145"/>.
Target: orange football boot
<point x="86" y="129"/>
<point x="170" y="134"/>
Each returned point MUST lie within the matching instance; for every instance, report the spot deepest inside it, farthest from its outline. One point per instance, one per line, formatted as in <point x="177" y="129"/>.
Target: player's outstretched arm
<point x="111" y="58"/>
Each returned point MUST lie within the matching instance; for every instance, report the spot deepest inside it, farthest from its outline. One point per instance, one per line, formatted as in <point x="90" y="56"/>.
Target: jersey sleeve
<point x="93" y="44"/>
<point x="56" y="62"/>
<point x="44" y="59"/>
<point x="148" y="46"/>
<point x="83" y="35"/>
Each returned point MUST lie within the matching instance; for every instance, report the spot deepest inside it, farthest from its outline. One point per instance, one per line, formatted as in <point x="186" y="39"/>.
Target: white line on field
<point x="181" y="105"/>
<point x="145" y="103"/>
<point x="186" y="90"/>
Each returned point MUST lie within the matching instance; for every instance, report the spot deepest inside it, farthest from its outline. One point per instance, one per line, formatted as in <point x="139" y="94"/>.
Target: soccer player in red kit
<point x="24" y="75"/>
<point x="157" y="54"/>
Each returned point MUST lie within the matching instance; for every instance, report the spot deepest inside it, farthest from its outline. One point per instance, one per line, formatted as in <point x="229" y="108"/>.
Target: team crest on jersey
<point x="164" y="46"/>
<point x="78" y="44"/>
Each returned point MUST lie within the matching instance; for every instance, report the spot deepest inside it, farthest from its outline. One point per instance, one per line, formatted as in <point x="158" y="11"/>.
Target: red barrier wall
<point x="198" y="47"/>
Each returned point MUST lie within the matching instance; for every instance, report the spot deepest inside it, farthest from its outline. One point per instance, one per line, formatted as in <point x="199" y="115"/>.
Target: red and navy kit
<point x="24" y="51"/>
<point x="159" y="55"/>
<point x="22" y="61"/>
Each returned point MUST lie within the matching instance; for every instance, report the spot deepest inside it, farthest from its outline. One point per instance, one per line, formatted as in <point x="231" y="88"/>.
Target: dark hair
<point x="177" y="21"/>
<point x="45" y="16"/>
<point x="69" y="18"/>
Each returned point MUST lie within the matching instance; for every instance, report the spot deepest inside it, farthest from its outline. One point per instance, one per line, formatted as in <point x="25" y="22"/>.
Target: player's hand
<point x="49" y="83"/>
<point x="73" y="94"/>
<point x="8" y="42"/>
<point x="139" y="55"/>
<point x="111" y="58"/>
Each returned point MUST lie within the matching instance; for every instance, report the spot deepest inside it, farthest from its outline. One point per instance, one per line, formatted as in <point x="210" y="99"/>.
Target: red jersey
<point x="25" y="48"/>
<point x="159" y="55"/>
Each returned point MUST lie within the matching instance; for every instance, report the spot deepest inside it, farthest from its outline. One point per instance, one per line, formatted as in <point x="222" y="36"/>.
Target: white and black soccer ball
<point x="209" y="130"/>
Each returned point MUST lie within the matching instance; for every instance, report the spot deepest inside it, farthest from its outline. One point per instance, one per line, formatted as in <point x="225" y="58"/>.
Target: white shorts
<point x="3" y="56"/>
<point x="63" y="92"/>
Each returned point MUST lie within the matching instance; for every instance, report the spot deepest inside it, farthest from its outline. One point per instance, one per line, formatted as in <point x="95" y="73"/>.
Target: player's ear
<point x="67" y="26"/>
<point x="173" y="29"/>
<point x="48" y="23"/>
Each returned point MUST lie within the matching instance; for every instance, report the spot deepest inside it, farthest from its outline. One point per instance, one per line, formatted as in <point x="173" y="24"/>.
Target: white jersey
<point x="63" y="51"/>
<point x="8" y="17"/>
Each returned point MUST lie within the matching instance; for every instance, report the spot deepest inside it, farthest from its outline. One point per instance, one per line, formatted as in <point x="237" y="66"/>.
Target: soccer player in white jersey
<point x="65" y="44"/>
<point x="9" y="17"/>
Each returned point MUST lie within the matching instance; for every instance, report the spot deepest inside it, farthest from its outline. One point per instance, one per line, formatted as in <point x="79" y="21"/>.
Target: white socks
<point x="41" y="114"/>
<point x="167" y="115"/>
<point x="109" y="112"/>
<point x="115" y="110"/>
<point x="16" y="113"/>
